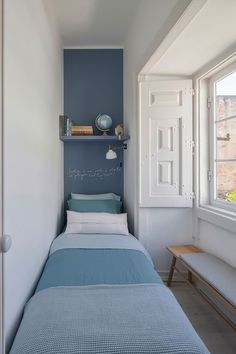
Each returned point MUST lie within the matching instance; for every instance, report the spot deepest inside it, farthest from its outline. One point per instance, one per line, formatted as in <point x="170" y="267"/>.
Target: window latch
<point x="209" y="102"/>
<point x="210" y="175"/>
<point x="193" y="147"/>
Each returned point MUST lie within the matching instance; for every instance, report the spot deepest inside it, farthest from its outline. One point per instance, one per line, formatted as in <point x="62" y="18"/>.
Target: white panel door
<point x="166" y="143"/>
<point x="1" y="192"/>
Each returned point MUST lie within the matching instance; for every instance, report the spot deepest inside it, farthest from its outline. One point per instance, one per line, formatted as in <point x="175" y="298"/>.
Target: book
<point x="65" y="125"/>
<point x="82" y="130"/>
<point x="82" y="127"/>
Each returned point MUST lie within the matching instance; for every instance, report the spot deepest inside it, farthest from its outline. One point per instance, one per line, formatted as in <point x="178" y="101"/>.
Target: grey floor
<point x="215" y="333"/>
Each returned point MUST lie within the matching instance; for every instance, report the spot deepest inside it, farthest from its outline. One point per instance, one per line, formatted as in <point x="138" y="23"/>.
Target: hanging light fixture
<point x="111" y="154"/>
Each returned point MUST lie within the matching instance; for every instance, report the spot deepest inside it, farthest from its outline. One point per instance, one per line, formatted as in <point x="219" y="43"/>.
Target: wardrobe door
<point x="1" y="190"/>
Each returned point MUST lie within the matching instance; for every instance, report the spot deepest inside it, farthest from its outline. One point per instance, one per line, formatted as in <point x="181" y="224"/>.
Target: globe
<point x="103" y="123"/>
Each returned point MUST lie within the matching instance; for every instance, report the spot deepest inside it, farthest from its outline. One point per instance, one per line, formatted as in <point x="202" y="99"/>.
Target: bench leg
<point x="172" y="268"/>
<point x="190" y="278"/>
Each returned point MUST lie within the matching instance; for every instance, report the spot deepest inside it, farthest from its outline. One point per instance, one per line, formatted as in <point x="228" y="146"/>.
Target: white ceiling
<point x="92" y="22"/>
<point x="209" y="34"/>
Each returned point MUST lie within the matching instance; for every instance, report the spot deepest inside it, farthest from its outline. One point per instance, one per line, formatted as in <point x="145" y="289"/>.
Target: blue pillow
<point x="95" y="196"/>
<point x="95" y="206"/>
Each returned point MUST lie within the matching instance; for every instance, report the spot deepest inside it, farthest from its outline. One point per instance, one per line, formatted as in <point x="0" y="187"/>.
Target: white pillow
<point x="95" y="196"/>
<point x="96" y="223"/>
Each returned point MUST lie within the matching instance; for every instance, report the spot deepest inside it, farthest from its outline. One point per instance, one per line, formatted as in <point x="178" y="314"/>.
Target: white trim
<point x="136" y="144"/>
<point x="216" y="217"/>
<point x="220" y="217"/>
<point x="217" y="64"/>
<point x="219" y="75"/>
<point x="155" y="77"/>
<point x="94" y="47"/>
<point x="195" y="138"/>
<point x="212" y="166"/>
<point x="224" y="206"/>
<point x="190" y="12"/>
<point x="228" y="69"/>
<point x="2" y="339"/>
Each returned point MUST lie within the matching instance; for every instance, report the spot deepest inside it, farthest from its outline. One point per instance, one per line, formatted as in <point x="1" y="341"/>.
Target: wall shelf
<point x="91" y="138"/>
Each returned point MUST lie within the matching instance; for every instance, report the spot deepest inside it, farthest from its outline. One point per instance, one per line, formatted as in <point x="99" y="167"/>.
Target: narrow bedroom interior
<point x="118" y="176"/>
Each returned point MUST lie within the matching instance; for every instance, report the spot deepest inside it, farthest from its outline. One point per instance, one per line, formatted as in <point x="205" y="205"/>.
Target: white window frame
<point x="213" y="201"/>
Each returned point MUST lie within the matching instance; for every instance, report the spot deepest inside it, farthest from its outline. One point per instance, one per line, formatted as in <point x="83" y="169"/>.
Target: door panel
<point x="165" y="143"/>
<point x="164" y="164"/>
<point x="1" y="199"/>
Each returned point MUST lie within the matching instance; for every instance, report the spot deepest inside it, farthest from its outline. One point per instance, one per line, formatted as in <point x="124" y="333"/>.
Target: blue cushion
<point x="215" y="271"/>
<point x="95" y="206"/>
<point x="95" y="196"/>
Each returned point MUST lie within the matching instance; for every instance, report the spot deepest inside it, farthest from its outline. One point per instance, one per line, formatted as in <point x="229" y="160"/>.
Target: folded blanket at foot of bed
<point x="76" y="267"/>
<point x="106" y="319"/>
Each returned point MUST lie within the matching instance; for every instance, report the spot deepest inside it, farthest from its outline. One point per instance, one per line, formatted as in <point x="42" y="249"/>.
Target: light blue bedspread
<point x="109" y="241"/>
<point x="106" y="319"/>
<point x="139" y="315"/>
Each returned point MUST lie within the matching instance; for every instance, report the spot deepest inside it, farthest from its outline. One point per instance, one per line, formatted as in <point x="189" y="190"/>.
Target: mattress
<point x="101" y="294"/>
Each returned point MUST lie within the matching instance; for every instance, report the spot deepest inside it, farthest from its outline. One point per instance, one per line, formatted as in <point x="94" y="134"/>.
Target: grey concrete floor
<point x="215" y="333"/>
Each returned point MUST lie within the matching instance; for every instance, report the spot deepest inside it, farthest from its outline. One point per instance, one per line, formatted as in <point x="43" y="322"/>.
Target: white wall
<point x="218" y="241"/>
<point x="33" y="174"/>
<point x="160" y="227"/>
<point x="156" y="227"/>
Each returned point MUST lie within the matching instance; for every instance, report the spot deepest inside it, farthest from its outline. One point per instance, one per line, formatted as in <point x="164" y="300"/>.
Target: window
<point x="222" y="172"/>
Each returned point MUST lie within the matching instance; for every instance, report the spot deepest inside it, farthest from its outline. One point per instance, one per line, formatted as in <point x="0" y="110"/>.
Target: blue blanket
<point x="106" y="319"/>
<point x="71" y="267"/>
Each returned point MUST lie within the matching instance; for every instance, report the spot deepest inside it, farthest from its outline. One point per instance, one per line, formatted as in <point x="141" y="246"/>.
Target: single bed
<point x="100" y="294"/>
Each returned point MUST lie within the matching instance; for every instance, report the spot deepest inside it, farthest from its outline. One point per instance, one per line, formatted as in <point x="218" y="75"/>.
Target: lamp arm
<point x="124" y="147"/>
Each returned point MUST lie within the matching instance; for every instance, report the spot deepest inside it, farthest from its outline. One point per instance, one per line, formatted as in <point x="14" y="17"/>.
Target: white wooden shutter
<point x="166" y="143"/>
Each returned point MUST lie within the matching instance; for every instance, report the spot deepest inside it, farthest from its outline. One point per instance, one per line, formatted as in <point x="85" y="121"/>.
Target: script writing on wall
<point x="99" y="173"/>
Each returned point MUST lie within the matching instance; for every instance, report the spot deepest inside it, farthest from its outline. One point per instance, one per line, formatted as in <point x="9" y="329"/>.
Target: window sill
<point x="220" y="210"/>
<point x="217" y="216"/>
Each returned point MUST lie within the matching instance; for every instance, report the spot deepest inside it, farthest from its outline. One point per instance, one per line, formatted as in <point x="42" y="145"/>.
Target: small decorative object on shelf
<point x="65" y="126"/>
<point x="81" y="130"/>
<point x="103" y="123"/>
<point x="119" y="131"/>
<point x="77" y="133"/>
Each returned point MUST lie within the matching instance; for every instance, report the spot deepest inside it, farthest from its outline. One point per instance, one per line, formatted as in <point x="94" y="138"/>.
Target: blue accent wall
<point x="93" y="84"/>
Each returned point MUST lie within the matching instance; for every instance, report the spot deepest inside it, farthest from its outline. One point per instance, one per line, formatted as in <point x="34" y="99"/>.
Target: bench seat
<point x="214" y="271"/>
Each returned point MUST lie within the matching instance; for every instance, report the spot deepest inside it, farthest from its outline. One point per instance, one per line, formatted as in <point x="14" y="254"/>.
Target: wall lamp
<point x="111" y="154"/>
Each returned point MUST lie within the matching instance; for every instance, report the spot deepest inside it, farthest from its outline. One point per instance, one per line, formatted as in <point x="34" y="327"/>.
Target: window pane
<point x="226" y="97"/>
<point x="226" y="181"/>
<point x="226" y="139"/>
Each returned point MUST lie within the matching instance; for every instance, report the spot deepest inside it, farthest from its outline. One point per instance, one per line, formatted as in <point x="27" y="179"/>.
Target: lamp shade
<point x="111" y="154"/>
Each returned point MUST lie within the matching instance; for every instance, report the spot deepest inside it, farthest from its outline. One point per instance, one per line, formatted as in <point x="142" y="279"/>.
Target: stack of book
<point x="65" y="126"/>
<point x="81" y="130"/>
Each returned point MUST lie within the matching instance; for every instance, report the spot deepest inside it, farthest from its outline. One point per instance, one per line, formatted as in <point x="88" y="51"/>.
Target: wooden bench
<point x="217" y="276"/>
